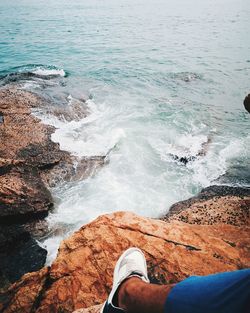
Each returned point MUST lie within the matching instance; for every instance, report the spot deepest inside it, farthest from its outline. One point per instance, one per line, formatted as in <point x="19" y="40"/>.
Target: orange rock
<point x="92" y="309"/>
<point x="81" y="275"/>
<point x="22" y="295"/>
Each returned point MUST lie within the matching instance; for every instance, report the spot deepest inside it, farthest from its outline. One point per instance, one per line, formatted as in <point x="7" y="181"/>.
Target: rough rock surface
<point x="27" y="291"/>
<point x="92" y="309"/>
<point x="29" y="163"/>
<point x="81" y="275"/>
<point x="214" y="205"/>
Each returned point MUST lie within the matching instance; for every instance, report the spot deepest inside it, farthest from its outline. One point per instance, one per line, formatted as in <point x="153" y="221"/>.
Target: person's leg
<point x="227" y="292"/>
<point x="135" y="296"/>
<point x="131" y="291"/>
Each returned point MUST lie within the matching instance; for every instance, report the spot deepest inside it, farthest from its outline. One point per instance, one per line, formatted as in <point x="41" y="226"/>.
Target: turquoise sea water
<point x="163" y="79"/>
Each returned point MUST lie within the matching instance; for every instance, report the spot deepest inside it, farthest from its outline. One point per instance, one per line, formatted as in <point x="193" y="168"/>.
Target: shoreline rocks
<point x="30" y="163"/>
<point x="206" y="234"/>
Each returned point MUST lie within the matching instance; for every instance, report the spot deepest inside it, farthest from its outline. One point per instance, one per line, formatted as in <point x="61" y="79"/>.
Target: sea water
<point x="163" y="80"/>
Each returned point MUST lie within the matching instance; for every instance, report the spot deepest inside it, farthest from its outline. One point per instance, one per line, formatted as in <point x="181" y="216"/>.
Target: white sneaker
<point x="131" y="263"/>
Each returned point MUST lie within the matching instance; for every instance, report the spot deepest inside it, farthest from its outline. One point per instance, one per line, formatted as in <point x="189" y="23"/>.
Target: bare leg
<point x="136" y="296"/>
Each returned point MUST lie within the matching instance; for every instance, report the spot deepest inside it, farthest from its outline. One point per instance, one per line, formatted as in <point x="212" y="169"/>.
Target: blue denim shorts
<point x="227" y="292"/>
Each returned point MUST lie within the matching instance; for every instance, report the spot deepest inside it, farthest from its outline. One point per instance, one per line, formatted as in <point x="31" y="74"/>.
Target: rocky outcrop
<point x="214" y="205"/>
<point x="247" y="103"/>
<point x="81" y="275"/>
<point x="30" y="163"/>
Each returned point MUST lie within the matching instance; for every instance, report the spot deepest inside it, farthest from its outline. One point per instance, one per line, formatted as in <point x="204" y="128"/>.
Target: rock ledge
<point x="81" y="275"/>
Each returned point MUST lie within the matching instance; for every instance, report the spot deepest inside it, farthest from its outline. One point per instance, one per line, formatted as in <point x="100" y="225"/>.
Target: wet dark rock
<point x="190" y="158"/>
<point x="19" y="253"/>
<point x="184" y="159"/>
<point x="18" y="77"/>
<point x="218" y="190"/>
<point x="247" y="103"/>
<point x="37" y="228"/>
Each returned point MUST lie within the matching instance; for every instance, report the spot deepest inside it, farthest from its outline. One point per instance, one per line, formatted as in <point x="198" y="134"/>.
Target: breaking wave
<point x="30" y="73"/>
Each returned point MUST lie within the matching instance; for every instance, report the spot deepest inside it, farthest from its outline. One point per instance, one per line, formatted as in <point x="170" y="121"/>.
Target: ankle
<point x="127" y="290"/>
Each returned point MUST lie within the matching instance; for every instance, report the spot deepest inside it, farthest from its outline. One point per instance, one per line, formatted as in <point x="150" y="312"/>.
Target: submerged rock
<point x="81" y="275"/>
<point x="185" y="159"/>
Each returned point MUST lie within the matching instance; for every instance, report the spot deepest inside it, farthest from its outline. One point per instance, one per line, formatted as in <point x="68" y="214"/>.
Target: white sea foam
<point x="235" y="148"/>
<point x="87" y="137"/>
<point x="193" y="144"/>
<point x="51" y="244"/>
<point x="29" y="85"/>
<point x="207" y="169"/>
<point x="215" y="163"/>
<point x="187" y="145"/>
<point x="49" y="72"/>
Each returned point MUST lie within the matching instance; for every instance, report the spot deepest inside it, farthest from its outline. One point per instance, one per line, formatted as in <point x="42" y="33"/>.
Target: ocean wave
<point x="85" y="137"/>
<point x="49" y="72"/>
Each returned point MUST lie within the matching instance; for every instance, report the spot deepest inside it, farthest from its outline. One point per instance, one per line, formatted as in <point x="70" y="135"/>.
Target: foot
<point x="131" y="263"/>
